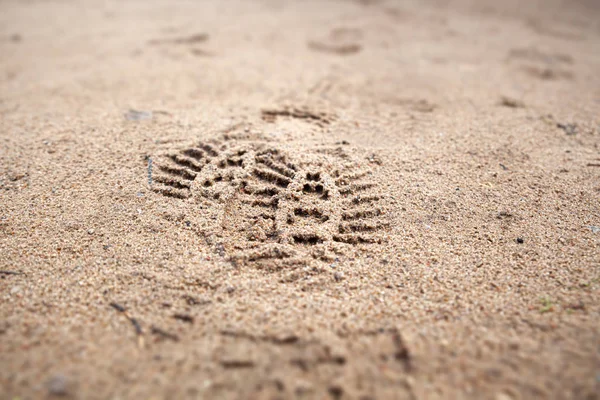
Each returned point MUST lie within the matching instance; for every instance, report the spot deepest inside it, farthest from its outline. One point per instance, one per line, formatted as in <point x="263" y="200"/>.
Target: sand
<point x="320" y="199"/>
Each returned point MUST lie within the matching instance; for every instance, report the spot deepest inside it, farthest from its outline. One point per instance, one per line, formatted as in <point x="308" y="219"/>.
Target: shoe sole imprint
<point x="275" y="205"/>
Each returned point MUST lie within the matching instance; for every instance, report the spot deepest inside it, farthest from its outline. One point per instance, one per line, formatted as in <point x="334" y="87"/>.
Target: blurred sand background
<point x="479" y="124"/>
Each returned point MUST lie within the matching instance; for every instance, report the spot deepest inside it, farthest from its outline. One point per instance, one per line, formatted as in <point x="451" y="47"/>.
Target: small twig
<point x="149" y="171"/>
<point x="157" y="331"/>
<point x="192" y="301"/>
<point x="402" y="353"/>
<point x="136" y="325"/>
<point x="231" y="364"/>
<point x="118" y="307"/>
<point x="161" y="112"/>
<point x="184" y="318"/>
<point x="192" y="39"/>
<point x="5" y="272"/>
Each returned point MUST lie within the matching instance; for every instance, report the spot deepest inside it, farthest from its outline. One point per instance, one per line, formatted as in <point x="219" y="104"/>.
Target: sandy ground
<point x="319" y="199"/>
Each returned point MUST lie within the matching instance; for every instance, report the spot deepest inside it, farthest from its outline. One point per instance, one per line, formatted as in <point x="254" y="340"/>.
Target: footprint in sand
<point x="273" y="203"/>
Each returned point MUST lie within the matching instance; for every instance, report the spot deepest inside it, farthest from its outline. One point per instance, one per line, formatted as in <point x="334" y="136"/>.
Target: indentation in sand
<point x="272" y="204"/>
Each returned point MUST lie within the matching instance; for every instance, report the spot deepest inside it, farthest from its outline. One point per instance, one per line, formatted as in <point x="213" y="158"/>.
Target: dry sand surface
<point x="315" y="199"/>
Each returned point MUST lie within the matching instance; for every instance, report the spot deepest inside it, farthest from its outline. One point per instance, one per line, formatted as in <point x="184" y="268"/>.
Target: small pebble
<point x="135" y="115"/>
<point x="520" y="240"/>
<point x="58" y="385"/>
